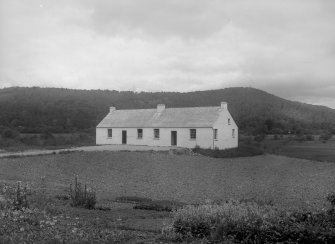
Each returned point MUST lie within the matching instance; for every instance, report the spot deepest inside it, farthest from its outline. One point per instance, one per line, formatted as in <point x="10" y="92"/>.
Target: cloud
<point x="181" y="18"/>
<point x="284" y="47"/>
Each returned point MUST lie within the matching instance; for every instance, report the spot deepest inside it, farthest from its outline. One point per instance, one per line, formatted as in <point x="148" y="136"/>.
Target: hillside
<point x="59" y="110"/>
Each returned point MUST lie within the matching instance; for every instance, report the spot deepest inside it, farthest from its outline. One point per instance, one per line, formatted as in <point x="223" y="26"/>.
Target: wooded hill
<point x="56" y="110"/>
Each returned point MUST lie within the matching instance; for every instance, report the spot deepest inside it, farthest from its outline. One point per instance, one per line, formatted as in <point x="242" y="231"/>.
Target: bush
<point x="241" y="151"/>
<point x="259" y="137"/>
<point x="331" y="199"/>
<point x="299" y="138"/>
<point x="15" y="195"/>
<point x="251" y="223"/>
<point x="81" y="196"/>
<point x="325" y="137"/>
<point x="9" y="133"/>
<point x="309" y="137"/>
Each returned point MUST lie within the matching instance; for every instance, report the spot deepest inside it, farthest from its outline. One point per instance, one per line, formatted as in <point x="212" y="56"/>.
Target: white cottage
<point x="206" y="127"/>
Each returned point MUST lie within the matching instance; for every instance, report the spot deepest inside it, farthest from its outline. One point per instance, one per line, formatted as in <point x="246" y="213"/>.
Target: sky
<point x="285" y="47"/>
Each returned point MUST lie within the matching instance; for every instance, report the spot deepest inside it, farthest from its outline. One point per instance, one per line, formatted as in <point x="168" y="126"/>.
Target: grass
<point x="191" y="179"/>
<point x="131" y="188"/>
<point x="240" y="222"/>
<point x="51" y="218"/>
<point x="311" y="150"/>
<point x="160" y="205"/>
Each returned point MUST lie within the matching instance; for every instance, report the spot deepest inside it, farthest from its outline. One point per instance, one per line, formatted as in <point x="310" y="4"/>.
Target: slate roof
<point x="169" y="118"/>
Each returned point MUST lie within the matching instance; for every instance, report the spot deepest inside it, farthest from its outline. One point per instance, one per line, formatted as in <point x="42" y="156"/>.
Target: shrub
<point x="299" y="138"/>
<point x="331" y="199"/>
<point x="251" y="223"/>
<point x="309" y="137"/>
<point x="81" y="196"/>
<point x="241" y="151"/>
<point x="259" y="137"/>
<point x="9" y="133"/>
<point x="325" y="137"/>
<point x="15" y="195"/>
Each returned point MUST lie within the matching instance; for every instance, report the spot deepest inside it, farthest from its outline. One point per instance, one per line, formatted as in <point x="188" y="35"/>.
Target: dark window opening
<point x="110" y="133"/>
<point x="193" y="134"/>
<point x="156" y="133"/>
<point x="139" y="133"/>
<point x="215" y="134"/>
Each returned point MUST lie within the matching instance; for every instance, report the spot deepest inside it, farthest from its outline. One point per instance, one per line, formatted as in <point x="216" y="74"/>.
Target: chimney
<point x="224" y="106"/>
<point x="160" y="108"/>
<point x="111" y="109"/>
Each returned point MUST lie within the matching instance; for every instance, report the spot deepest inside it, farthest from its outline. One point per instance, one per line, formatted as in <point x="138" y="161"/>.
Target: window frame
<point x="216" y="134"/>
<point x="233" y="133"/>
<point x="109" y="133"/>
<point x="139" y="133"/>
<point x="193" y="134"/>
<point x="156" y="134"/>
<point x="229" y="121"/>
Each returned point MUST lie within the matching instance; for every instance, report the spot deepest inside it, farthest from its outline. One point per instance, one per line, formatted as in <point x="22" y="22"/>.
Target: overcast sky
<point x="285" y="47"/>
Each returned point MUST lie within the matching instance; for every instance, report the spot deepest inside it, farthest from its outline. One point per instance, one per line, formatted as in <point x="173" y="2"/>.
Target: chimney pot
<point x="111" y="109"/>
<point x="224" y="105"/>
<point x="160" y="108"/>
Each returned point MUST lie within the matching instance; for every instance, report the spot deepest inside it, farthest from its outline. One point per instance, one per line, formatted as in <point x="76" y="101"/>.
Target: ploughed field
<point x="162" y="176"/>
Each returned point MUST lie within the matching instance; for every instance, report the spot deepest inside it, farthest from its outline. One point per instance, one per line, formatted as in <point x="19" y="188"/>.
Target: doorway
<point x="124" y="137"/>
<point x="173" y="138"/>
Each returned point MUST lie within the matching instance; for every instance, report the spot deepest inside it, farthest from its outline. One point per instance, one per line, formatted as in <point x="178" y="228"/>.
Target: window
<point x="233" y="133"/>
<point x="193" y="134"/>
<point x="139" y="133"/>
<point x="156" y="133"/>
<point x="228" y="121"/>
<point x="215" y="134"/>
<point x="110" y="132"/>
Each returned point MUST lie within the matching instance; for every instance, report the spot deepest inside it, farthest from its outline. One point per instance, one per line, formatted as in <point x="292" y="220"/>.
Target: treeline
<point x="54" y="110"/>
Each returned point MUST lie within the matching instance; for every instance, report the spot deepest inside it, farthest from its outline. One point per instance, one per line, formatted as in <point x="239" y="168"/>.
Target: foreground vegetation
<point x="119" y="198"/>
<point x="31" y="215"/>
<point x="242" y="151"/>
<point x="43" y="218"/>
<point x="248" y="222"/>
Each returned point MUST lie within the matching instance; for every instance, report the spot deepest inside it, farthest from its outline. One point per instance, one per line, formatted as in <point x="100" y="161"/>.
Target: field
<point x="288" y="183"/>
<point x="268" y="178"/>
<point x="312" y="150"/>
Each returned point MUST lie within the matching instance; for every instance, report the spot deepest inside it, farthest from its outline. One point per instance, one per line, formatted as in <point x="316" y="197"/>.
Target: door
<point x="124" y="137"/>
<point x="173" y="138"/>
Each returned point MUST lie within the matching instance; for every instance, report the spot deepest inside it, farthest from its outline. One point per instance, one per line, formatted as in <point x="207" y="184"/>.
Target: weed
<point x="82" y="196"/>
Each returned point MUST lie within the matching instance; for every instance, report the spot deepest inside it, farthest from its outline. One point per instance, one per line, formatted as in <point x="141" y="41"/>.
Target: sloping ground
<point x="158" y="175"/>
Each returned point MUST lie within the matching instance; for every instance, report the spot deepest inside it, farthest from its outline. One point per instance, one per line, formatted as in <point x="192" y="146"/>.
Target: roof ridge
<point x="167" y="108"/>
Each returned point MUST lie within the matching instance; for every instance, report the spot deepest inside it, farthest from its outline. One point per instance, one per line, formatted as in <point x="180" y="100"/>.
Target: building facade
<point x="205" y="127"/>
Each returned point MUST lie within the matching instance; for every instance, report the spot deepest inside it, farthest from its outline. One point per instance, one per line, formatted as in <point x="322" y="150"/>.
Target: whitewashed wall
<point x="225" y="138"/>
<point x="204" y="137"/>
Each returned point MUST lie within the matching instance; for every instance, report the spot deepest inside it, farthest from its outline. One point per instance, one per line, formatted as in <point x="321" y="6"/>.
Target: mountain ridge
<point x="35" y="109"/>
